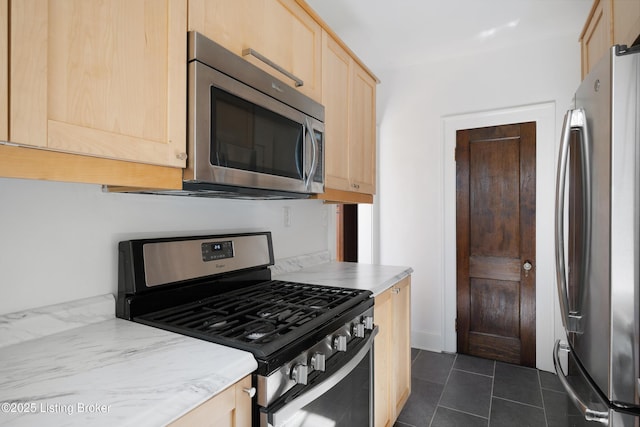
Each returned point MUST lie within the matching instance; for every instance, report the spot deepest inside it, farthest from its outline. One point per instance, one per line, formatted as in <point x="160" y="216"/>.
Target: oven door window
<point x="248" y="137"/>
<point x="342" y="400"/>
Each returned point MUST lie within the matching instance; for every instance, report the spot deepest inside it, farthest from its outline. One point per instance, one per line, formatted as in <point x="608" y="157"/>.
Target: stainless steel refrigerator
<point x="597" y="242"/>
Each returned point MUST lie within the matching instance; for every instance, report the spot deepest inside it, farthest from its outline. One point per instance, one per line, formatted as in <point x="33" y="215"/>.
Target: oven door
<point x="343" y="398"/>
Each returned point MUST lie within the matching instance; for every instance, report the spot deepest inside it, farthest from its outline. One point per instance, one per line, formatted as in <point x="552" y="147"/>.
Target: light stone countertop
<point x="76" y="364"/>
<point x="376" y="278"/>
<point x="106" y="373"/>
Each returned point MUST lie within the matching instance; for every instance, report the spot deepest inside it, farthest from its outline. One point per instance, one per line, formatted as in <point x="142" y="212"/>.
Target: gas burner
<point x="259" y="330"/>
<point x="215" y="325"/>
<point x="316" y="303"/>
<point x="275" y="314"/>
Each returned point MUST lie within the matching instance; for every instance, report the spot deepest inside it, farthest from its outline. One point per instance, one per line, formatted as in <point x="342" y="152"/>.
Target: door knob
<point x="527" y="266"/>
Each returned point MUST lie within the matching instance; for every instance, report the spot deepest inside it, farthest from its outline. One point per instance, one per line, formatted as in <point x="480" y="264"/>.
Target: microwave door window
<point x="248" y="137"/>
<point x="232" y="127"/>
<point x="280" y="139"/>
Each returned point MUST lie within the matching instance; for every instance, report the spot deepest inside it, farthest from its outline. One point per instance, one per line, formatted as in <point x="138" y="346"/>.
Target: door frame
<point x="548" y="323"/>
<point x="347" y="232"/>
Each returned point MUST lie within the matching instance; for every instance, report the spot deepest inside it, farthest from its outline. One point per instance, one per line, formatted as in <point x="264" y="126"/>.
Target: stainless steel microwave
<point x="248" y="132"/>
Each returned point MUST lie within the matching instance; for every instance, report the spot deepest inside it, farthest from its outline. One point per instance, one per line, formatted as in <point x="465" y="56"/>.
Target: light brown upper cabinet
<point x="100" y="78"/>
<point x="4" y="70"/>
<point x="349" y="97"/>
<point x="96" y="92"/>
<point x="280" y="31"/>
<point x="292" y="36"/>
<point x="337" y="65"/>
<point x="105" y="80"/>
<point x="610" y="22"/>
<point x="362" y="122"/>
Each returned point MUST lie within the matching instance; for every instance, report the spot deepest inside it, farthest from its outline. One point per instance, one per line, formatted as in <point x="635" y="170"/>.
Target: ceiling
<point x="389" y="34"/>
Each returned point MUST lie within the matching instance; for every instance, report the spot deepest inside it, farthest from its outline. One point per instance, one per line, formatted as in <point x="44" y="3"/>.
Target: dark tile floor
<point x="459" y="390"/>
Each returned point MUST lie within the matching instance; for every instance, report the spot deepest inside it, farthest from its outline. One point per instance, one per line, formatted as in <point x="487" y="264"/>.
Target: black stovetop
<point x="264" y="318"/>
<point x="218" y="288"/>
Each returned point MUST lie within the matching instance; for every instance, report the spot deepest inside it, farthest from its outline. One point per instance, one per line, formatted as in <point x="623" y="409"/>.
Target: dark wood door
<point x="495" y="221"/>
<point x="347" y="233"/>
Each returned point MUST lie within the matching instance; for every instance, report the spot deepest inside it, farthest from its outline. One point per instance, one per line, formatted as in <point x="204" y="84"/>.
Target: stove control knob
<point x="340" y="343"/>
<point x="358" y="330"/>
<point x="299" y="374"/>
<point x="318" y="362"/>
<point x="368" y="322"/>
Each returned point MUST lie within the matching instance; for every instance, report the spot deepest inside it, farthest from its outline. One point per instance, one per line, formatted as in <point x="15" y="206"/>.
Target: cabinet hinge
<point x="456" y="324"/>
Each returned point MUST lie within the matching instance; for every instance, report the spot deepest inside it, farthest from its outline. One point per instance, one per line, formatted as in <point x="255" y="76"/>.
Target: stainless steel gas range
<point x="313" y="344"/>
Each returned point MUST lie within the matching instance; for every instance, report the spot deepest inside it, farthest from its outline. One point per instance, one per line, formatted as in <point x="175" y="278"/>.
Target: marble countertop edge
<point x="373" y="277"/>
<point x="43" y="321"/>
<point x="145" y="376"/>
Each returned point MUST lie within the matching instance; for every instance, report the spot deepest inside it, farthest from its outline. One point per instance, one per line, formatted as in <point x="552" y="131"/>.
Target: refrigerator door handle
<point x="588" y="413"/>
<point x="573" y="119"/>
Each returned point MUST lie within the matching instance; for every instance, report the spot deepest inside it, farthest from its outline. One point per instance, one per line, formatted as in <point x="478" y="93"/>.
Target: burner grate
<point x="273" y="311"/>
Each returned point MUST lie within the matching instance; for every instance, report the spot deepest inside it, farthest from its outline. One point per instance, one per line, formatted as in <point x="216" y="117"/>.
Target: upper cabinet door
<point x="279" y="30"/>
<point x="610" y="22"/>
<point x="4" y="70"/>
<point x="595" y="39"/>
<point x="626" y="21"/>
<point x="349" y="97"/>
<point x="105" y="79"/>
<point x="336" y="91"/>
<point x="362" y="145"/>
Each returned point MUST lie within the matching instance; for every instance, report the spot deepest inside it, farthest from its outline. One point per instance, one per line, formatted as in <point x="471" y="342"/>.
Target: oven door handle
<point x="280" y="416"/>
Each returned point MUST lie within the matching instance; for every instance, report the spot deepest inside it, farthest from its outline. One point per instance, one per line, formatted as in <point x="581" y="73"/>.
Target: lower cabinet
<point x="392" y="371"/>
<point x="231" y="408"/>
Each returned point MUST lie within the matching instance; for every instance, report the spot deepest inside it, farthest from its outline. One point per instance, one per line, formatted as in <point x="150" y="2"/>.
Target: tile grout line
<point x="443" y="388"/>
<point x="519" y="402"/>
<point x="412" y="361"/>
<point x="493" y="382"/>
<point x="492" y="375"/>
<point x="544" y="408"/>
<point x="471" y="372"/>
<point x="463" y="412"/>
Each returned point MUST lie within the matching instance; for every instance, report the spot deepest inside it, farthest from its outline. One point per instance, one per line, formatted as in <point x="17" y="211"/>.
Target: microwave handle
<point x="314" y="147"/>
<point x="298" y="81"/>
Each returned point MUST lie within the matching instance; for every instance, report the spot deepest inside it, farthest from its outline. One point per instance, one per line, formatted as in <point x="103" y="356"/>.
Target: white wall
<point x="415" y="105"/>
<point x="58" y="241"/>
